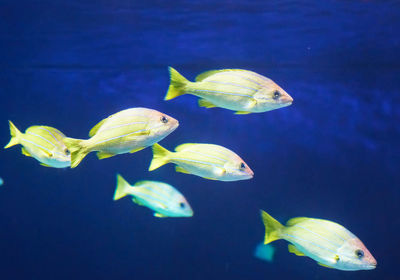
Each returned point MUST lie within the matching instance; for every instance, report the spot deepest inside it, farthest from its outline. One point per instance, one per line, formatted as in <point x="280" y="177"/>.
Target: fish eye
<point x="359" y="253"/>
<point x="182" y="205"/>
<point x="67" y="152"/>
<point x="242" y="165"/>
<point x="164" y="119"/>
<point x="277" y="94"/>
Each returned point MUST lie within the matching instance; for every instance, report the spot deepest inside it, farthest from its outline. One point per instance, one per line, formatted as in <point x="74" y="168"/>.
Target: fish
<point x="239" y="90"/>
<point x="264" y="252"/>
<point x="205" y="160"/>
<point x="1" y="181"/>
<point x="328" y="243"/>
<point x="127" y="131"/>
<point x="162" y="198"/>
<point x="44" y="143"/>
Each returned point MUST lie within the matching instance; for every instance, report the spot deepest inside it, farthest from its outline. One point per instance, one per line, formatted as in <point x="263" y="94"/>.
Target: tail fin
<point x="122" y="187"/>
<point x="159" y="157"/>
<point x="15" y="133"/>
<point x="77" y="150"/>
<point x="177" y="85"/>
<point x="272" y="228"/>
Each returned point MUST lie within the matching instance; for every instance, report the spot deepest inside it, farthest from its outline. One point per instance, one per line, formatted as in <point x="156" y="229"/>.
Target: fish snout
<point x="286" y="99"/>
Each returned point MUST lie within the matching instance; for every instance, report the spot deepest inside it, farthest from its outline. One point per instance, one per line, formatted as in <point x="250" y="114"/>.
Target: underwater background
<point x="333" y="154"/>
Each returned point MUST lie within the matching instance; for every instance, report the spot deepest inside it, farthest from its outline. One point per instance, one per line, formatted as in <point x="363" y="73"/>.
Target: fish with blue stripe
<point x="326" y="242"/>
<point x="205" y="160"/>
<point x="127" y="131"/>
<point x="162" y="198"/>
<point x="44" y="143"/>
<point x="239" y="90"/>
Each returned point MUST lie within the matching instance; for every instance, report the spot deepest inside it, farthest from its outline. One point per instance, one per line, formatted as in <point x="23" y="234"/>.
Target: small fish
<point x="205" y="160"/>
<point x="264" y="252"/>
<point x="127" y="131"/>
<point x="44" y="143"/>
<point x="162" y="198"/>
<point x="326" y="242"/>
<point x="234" y="89"/>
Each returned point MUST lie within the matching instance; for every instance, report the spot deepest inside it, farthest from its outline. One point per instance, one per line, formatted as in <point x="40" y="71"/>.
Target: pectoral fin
<point x="25" y="152"/>
<point x="294" y="250"/>
<point x="324" y="265"/>
<point x="242" y="113"/>
<point x="101" y="155"/>
<point x="206" y="103"/>
<point x="136" y="150"/>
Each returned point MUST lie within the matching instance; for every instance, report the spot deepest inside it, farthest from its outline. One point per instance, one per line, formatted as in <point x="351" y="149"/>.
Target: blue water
<point x="333" y="154"/>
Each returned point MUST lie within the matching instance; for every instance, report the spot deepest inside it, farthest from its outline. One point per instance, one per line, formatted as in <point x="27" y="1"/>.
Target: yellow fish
<point x="127" y="131"/>
<point x="234" y="89"/>
<point x="326" y="242"/>
<point x="162" y="198"/>
<point x="205" y="160"/>
<point x="43" y="143"/>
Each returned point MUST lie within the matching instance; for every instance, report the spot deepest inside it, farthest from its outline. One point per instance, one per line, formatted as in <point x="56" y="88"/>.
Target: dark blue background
<point x="333" y="154"/>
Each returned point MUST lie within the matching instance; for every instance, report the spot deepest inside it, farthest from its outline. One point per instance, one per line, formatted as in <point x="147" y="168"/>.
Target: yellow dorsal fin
<point x="294" y="250"/>
<point x="101" y="155"/>
<point x="206" y="74"/>
<point x="324" y="265"/>
<point x="94" y="130"/>
<point x="205" y="103"/>
<point x="295" y="221"/>
<point x="184" y="146"/>
<point x="25" y="152"/>
<point x="242" y="113"/>
<point x="136" y="150"/>
<point x="181" y="170"/>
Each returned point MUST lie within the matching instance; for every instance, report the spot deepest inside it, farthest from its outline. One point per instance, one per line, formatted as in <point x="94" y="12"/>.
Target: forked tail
<point x="160" y="157"/>
<point x="15" y="135"/>
<point x="177" y="84"/>
<point x="273" y="228"/>
<point x="77" y="149"/>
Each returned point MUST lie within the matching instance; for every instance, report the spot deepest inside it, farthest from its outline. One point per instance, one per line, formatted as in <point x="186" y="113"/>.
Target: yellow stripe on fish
<point x="205" y="160"/>
<point x="127" y="131"/>
<point x="328" y="243"/>
<point x="44" y="143"/>
<point x="240" y="90"/>
<point x="162" y="198"/>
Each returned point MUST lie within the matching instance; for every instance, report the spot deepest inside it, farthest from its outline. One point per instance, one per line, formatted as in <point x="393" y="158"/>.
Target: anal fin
<point x="205" y="103"/>
<point x="294" y="250"/>
<point x="242" y="112"/>
<point x="181" y="170"/>
<point x="25" y="152"/>
<point x="43" y="164"/>
<point x="101" y="155"/>
<point x="158" y="215"/>
<point x="136" y="150"/>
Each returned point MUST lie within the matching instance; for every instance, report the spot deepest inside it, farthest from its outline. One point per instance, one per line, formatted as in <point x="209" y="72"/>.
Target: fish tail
<point x="122" y="188"/>
<point x="77" y="149"/>
<point x="273" y="228"/>
<point x="160" y="157"/>
<point x="15" y="134"/>
<point x="177" y="85"/>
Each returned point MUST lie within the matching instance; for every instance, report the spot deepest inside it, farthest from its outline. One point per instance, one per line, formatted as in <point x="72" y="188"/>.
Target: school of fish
<point x="131" y="130"/>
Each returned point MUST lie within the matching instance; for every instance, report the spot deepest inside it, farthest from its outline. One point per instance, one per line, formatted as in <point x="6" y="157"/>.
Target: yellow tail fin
<point x="273" y="228"/>
<point x="160" y="157"/>
<point x="78" y="151"/>
<point x="15" y="134"/>
<point x="122" y="188"/>
<point x="177" y="85"/>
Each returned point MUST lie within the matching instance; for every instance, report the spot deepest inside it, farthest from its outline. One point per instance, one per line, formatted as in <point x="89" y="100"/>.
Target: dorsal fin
<point x="184" y="146"/>
<point x="94" y="130"/>
<point x="294" y="221"/>
<point x="206" y="74"/>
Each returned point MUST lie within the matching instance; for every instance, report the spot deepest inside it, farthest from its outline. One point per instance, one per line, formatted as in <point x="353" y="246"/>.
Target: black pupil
<point x="277" y="94"/>
<point x="360" y="253"/>
<point x="67" y="152"/>
<point x="242" y="166"/>
<point x="164" y="119"/>
<point x="182" y="205"/>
